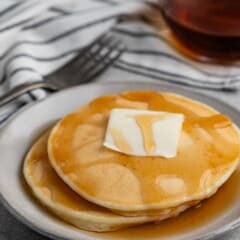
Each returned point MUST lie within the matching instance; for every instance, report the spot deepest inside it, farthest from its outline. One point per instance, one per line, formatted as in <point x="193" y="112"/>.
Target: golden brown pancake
<point x="65" y="203"/>
<point x="208" y="153"/>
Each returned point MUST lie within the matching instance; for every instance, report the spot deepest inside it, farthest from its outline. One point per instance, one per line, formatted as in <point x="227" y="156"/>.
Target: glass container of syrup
<point x="208" y="28"/>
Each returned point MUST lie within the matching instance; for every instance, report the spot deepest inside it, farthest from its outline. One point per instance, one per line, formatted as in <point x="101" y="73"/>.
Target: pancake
<point x="65" y="203"/>
<point x="208" y="153"/>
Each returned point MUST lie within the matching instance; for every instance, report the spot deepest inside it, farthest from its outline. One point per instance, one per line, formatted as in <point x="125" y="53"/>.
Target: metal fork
<point x="91" y="61"/>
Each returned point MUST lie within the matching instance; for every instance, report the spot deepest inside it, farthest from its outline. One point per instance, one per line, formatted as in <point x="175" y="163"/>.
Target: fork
<point x="91" y="61"/>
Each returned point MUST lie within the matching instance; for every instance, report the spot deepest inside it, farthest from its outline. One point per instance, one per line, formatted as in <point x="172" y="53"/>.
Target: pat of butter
<point x="143" y="132"/>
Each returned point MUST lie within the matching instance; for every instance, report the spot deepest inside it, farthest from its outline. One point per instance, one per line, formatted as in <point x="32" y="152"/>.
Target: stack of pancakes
<point x="97" y="189"/>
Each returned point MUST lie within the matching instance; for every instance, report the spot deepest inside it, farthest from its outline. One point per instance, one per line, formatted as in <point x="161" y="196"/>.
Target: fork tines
<point x="101" y="54"/>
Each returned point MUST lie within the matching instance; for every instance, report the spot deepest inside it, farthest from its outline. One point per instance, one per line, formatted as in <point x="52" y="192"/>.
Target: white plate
<point x="23" y="129"/>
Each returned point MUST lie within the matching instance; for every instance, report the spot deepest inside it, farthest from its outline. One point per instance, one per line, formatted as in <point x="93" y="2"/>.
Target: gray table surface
<point x="12" y="229"/>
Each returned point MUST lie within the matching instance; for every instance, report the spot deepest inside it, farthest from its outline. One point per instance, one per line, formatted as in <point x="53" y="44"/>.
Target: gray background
<point x="12" y="229"/>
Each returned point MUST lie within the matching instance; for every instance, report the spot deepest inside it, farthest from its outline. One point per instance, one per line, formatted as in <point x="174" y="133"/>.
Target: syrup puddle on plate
<point x="191" y="219"/>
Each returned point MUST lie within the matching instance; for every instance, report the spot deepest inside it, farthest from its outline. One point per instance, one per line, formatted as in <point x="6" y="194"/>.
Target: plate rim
<point x="15" y="213"/>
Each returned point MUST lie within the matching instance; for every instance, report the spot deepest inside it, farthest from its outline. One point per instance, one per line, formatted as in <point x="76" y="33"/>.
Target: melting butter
<point x="143" y="132"/>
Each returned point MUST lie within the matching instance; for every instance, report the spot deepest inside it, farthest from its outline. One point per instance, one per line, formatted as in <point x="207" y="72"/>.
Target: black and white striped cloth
<point x="38" y="37"/>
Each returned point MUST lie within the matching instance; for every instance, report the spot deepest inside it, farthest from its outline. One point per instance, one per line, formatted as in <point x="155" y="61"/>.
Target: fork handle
<point x="22" y="89"/>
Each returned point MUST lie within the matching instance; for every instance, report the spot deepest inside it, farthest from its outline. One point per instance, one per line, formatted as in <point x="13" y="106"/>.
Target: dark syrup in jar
<point x="207" y="27"/>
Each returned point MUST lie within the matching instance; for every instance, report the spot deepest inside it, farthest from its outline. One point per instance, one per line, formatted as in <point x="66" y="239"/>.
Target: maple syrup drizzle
<point x="187" y="221"/>
<point x="120" y="141"/>
<point x="145" y="123"/>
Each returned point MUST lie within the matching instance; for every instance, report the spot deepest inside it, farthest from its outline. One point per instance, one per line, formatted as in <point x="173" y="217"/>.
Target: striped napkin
<point x="38" y="37"/>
